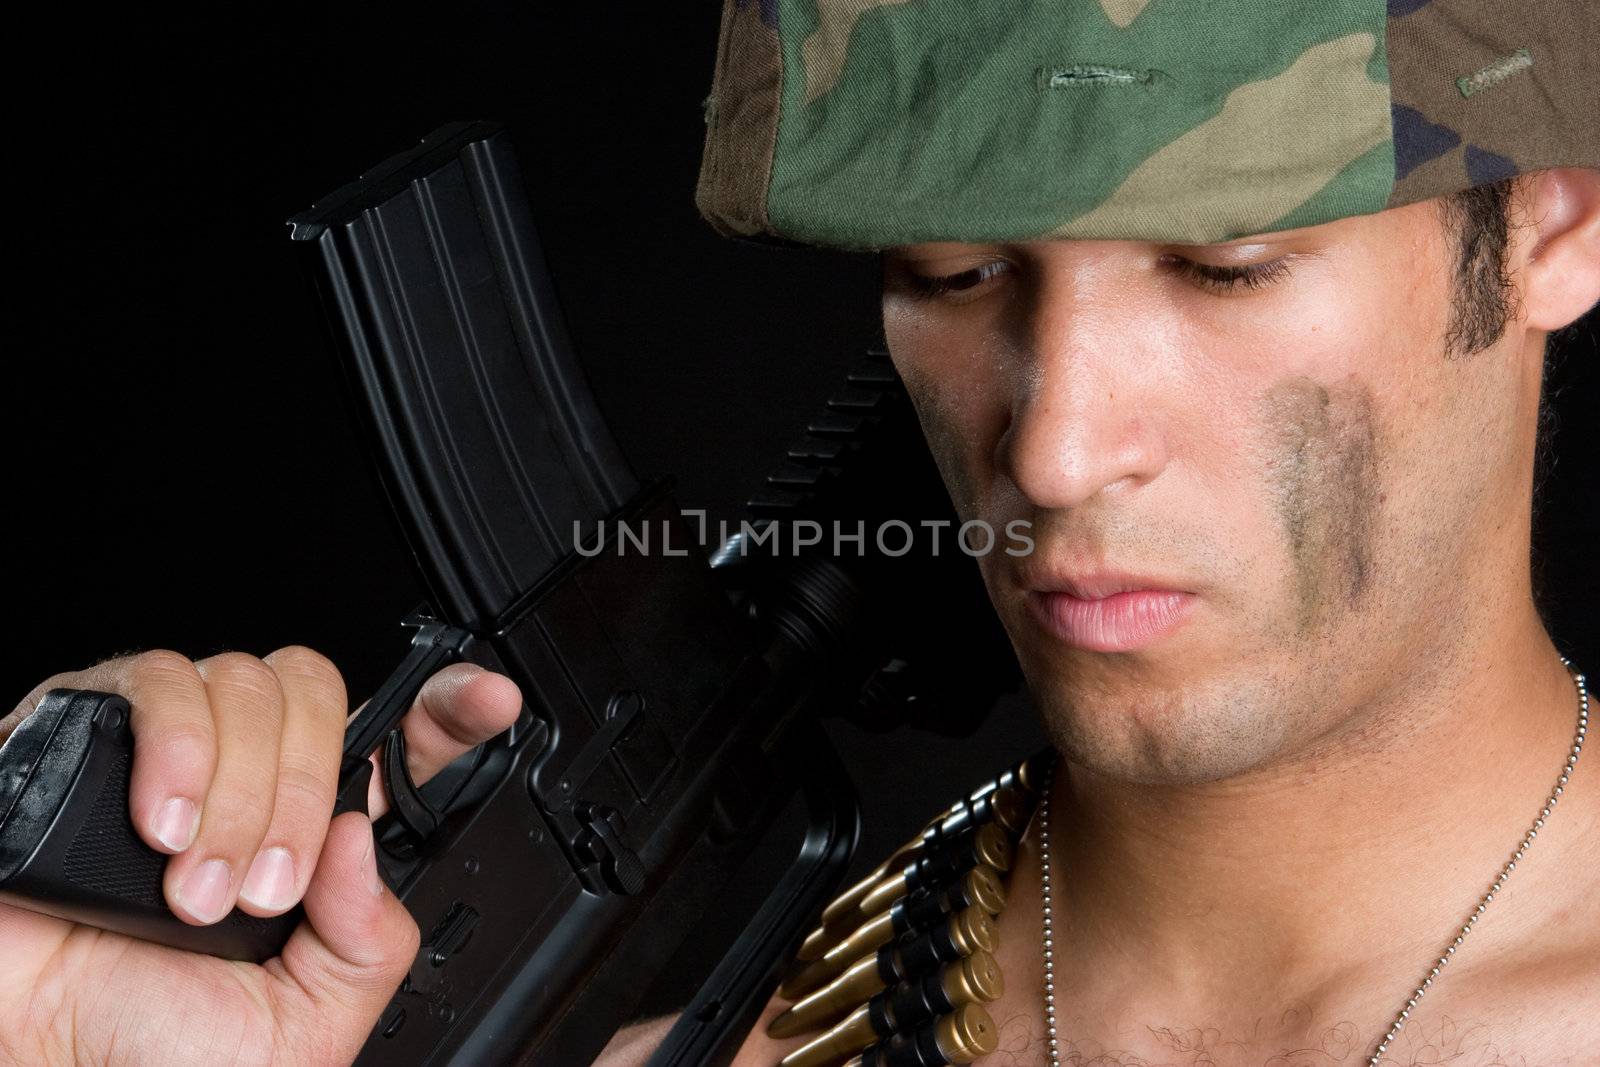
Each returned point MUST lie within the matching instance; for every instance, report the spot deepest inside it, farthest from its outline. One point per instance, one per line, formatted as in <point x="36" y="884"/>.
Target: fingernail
<point x="270" y="883"/>
<point x="204" y="894"/>
<point x="176" y="824"/>
<point x="370" y="863"/>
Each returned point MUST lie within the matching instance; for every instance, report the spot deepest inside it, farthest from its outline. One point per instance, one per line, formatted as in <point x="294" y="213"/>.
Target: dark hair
<point x="1484" y="297"/>
<point x="1479" y="221"/>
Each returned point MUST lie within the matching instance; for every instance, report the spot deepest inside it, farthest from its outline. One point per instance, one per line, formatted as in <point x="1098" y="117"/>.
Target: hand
<point x="236" y="761"/>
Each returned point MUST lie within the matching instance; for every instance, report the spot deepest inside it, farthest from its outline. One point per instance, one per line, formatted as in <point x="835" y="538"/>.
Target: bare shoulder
<point x="759" y="1050"/>
<point x="633" y="1044"/>
<point x="1537" y="999"/>
<point x="1530" y="1008"/>
<point x="1550" y="1001"/>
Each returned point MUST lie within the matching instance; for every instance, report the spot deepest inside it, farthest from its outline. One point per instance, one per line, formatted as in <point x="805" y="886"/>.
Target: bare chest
<point x="1522" y="1021"/>
<point x="1557" y="1027"/>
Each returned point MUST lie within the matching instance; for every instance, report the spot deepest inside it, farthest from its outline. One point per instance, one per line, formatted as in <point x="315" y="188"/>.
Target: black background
<point x="181" y="470"/>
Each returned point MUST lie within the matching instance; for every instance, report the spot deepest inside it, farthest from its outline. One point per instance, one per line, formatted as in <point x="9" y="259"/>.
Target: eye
<point x="1230" y="279"/>
<point x="930" y="287"/>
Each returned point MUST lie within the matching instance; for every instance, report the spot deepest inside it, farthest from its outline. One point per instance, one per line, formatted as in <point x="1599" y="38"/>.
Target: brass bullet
<point x="816" y="943"/>
<point x="877" y="931"/>
<point x="971" y="929"/>
<point x="966" y="1033"/>
<point x="988" y="845"/>
<point x="839" y="921"/>
<point x="961" y="934"/>
<point x="1006" y="805"/>
<point x="911" y="1002"/>
<point x="842" y="908"/>
<point x="845" y="903"/>
<point x="960" y="1037"/>
<point x="1009" y="811"/>
<point x="852" y="1035"/>
<point x="980" y="885"/>
<point x="860" y="982"/>
<point x="1030" y="773"/>
<point x="974" y="980"/>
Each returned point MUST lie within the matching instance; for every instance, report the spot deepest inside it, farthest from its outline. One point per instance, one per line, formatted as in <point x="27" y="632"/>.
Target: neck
<point x="1356" y="858"/>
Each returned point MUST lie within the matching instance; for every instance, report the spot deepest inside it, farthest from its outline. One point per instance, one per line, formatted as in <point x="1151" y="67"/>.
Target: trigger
<point x="406" y="802"/>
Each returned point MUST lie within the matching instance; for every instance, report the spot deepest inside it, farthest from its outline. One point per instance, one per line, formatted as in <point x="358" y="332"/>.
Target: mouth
<point x="1108" y="612"/>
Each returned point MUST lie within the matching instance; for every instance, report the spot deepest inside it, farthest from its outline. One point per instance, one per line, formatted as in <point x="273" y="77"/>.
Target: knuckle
<point x="179" y="747"/>
<point x="168" y="695"/>
<point x="162" y="664"/>
<point x="246" y="676"/>
<point x="314" y="669"/>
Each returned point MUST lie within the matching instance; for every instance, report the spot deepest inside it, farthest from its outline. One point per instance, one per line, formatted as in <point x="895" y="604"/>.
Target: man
<point x="1277" y="449"/>
<point x="1173" y="283"/>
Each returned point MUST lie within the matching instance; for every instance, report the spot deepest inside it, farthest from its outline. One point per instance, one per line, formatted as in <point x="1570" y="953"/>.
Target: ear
<point x="1561" y="238"/>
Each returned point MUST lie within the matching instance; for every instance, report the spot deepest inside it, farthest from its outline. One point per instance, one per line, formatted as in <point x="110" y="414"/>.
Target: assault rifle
<point x="672" y="696"/>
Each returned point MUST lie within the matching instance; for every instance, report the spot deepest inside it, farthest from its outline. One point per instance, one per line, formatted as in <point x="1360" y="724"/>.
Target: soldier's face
<point x="1304" y="500"/>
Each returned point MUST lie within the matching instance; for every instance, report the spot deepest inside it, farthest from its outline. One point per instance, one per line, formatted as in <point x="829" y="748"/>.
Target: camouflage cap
<point x="870" y="123"/>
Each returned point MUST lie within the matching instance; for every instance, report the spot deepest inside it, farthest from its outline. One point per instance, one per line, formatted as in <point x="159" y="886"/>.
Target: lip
<point x="1109" y="612"/>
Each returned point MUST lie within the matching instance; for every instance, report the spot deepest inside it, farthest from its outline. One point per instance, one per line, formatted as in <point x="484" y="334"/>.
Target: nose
<point x="1086" y="408"/>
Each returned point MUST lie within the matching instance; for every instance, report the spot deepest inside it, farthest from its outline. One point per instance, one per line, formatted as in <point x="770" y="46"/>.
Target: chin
<point x="1182" y="732"/>
<point x="1217" y="699"/>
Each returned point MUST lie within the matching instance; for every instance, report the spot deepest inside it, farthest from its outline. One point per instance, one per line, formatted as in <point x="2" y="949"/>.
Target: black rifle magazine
<point x="577" y="851"/>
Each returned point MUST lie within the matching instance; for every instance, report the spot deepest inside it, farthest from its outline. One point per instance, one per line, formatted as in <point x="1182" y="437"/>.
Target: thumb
<point x="349" y="956"/>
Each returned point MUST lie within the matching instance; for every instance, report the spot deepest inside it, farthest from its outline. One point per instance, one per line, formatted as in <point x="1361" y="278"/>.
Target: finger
<point x="246" y="700"/>
<point x="174" y="739"/>
<point x="456" y="710"/>
<point x="314" y="707"/>
<point x="347" y="959"/>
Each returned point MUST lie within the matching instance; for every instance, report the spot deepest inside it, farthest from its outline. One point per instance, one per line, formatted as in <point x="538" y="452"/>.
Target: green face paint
<point x="1323" y="476"/>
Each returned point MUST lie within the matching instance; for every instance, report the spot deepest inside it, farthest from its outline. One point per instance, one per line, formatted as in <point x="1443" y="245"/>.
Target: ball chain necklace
<point x="1438" y="964"/>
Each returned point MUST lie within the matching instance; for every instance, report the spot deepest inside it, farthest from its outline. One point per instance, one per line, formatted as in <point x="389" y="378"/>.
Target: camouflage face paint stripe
<point x="1323" y="471"/>
<point x="870" y="123"/>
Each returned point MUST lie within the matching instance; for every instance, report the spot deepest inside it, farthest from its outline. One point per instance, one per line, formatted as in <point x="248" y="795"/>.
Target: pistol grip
<point x="67" y="844"/>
